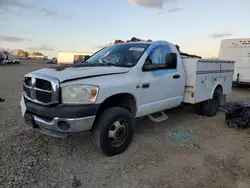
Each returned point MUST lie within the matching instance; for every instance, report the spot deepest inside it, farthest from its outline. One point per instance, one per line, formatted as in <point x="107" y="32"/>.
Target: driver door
<point x="159" y="89"/>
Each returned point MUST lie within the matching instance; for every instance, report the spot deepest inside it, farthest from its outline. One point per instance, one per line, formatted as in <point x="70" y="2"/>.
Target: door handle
<point x="176" y="76"/>
<point x="146" y="85"/>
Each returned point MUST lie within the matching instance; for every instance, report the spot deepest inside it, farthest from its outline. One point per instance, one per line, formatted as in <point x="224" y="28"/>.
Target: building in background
<point x="37" y="56"/>
<point x="70" y="57"/>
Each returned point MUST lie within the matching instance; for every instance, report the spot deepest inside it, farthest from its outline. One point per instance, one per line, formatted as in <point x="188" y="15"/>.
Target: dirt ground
<point x="214" y="155"/>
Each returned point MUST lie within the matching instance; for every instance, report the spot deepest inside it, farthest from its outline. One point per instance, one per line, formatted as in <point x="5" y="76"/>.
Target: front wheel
<point x="114" y="131"/>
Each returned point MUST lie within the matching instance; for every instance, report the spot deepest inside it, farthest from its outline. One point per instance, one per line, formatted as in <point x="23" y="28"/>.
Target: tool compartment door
<point x="209" y="75"/>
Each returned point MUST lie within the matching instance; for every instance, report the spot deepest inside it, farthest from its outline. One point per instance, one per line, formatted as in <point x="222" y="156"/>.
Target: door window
<point x="157" y="57"/>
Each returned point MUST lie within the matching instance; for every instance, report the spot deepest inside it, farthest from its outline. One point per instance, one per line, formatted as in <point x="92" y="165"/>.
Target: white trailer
<point x="69" y="57"/>
<point x="237" y="50"/>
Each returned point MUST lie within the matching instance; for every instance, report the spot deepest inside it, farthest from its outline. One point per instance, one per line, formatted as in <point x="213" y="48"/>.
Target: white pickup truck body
<point x="158" y="79"/>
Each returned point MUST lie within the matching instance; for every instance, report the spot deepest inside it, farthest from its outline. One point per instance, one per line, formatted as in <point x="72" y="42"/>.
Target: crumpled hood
<point x="80" y="72"/>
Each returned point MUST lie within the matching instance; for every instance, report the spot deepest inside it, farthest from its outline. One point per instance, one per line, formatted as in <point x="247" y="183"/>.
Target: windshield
<point x="122" y="55"/>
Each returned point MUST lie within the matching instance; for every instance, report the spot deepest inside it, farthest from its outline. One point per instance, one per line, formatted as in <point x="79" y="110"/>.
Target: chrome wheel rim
<point x="118" y="132"/>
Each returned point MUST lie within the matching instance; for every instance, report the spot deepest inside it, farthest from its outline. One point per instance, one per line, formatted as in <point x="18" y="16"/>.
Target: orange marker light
<point x="93" y="93"/>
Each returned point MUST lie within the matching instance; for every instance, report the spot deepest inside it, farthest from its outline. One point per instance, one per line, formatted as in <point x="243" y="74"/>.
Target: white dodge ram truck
<point x="118" y="84"/>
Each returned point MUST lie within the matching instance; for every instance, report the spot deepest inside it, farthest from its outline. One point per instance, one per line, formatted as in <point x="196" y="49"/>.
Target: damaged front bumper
<point x="60" y="127"/>
<point x="60" y="121"/>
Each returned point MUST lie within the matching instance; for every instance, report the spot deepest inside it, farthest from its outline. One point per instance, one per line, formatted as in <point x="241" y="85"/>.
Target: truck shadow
<point x="176" y="116"/>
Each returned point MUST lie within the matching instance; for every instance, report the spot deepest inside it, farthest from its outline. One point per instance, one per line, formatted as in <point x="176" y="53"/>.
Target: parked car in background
<point x="52" y="61"/>
<point x="7" y="58"/>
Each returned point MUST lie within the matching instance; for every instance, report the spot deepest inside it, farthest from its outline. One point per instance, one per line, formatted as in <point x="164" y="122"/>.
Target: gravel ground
<point x="214" y="156"/>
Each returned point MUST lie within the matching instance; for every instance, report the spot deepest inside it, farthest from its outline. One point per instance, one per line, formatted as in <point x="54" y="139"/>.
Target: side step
<point x="158" y="117"/>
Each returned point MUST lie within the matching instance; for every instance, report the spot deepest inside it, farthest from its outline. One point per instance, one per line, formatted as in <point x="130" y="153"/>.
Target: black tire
<point x="103" y="127"/>
<point x="198" y="109"/>
<point x="211" y="106"/>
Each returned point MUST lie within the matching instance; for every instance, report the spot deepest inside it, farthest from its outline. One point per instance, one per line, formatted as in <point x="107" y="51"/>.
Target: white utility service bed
<point x="204" y="75"/>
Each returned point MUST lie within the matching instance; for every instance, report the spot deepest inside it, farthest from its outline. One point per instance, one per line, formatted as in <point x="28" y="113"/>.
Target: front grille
<point x="27" y="81"/>
<point x="43" y="84"/>
<point x="27" y="91"/>
<point x="40" y="90"/>
<point x="43" y="96"/>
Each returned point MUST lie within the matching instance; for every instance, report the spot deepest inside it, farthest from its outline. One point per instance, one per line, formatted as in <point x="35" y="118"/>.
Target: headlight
<point x="79" y="94"/>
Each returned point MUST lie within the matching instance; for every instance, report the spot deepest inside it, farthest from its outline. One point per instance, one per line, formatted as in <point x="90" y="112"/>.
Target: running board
<point x="158" y="117"/>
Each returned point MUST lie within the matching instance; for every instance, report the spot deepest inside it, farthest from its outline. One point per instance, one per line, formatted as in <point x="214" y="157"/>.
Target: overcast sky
<point x="83" y="25"/>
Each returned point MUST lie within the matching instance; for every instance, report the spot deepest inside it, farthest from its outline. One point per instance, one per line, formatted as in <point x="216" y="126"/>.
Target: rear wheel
<point x="114" y="130"/>
<point x="198" y="108"/>
<point x="210" y="107"/>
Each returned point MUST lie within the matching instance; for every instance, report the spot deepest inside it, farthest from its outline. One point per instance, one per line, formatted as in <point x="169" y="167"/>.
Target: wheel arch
<point x="125" y="100"/>
<point x="217" y="87"/>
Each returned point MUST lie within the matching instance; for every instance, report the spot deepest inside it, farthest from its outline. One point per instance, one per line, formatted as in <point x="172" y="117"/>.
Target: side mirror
<point x="171" y="60"/>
